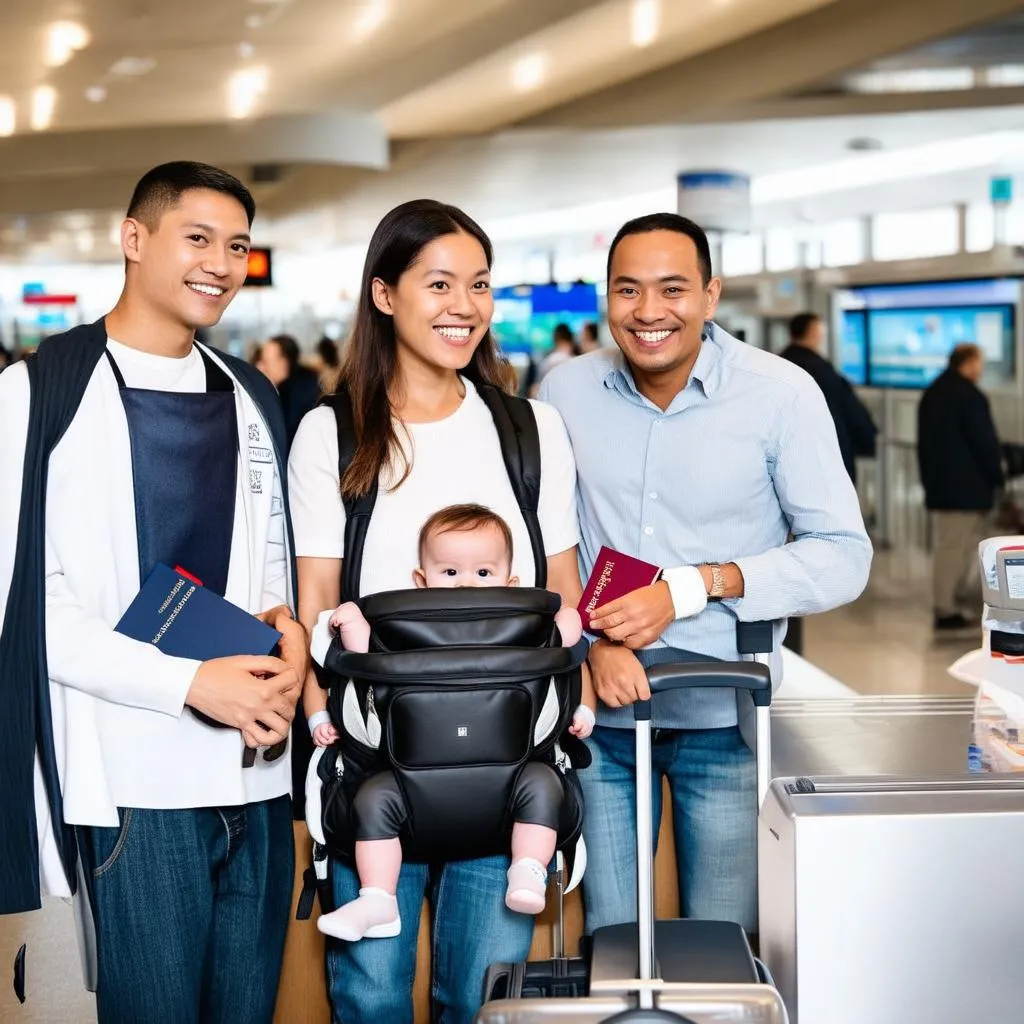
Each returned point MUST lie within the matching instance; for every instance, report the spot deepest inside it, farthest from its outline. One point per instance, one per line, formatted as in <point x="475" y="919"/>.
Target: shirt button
<point x="654" y="495"/>
<point x="648" y="530"/>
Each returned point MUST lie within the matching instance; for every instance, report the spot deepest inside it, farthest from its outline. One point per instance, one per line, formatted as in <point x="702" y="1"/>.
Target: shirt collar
<point x="706" y="374"/>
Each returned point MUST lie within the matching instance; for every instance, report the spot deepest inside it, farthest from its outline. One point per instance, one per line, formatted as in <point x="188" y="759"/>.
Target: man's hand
<point x="255" y="695"/>
<point x="637" y="619"/>
<point x="619" y="678"/>
<point x="294" y="642"/>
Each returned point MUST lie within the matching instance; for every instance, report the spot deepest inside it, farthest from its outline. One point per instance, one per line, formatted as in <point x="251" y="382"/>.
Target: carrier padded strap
<point x="520" y="448"/>
<point x="357" y="510"/>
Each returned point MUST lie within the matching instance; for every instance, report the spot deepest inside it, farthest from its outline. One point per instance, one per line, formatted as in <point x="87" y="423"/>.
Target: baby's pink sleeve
<point x="570" y="625"/>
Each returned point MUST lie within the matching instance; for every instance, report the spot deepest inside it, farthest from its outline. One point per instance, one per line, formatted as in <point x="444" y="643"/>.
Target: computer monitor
<point x="900" y="336"/>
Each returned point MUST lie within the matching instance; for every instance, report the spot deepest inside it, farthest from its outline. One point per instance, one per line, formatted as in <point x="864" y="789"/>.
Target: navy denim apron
<point x="185" y="473"/>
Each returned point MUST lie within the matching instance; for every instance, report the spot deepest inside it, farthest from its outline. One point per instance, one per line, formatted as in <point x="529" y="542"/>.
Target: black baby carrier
<point x="459" y="690"/>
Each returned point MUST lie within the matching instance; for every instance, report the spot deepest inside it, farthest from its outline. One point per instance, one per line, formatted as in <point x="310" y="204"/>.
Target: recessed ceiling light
<point x="8" y="117"/>
<point x="246" y="50"/>
<point x="44" y="100"/>
<point x="63" y="39"/>
<point x="646" y="21"/>
<point x="132" y="67"/>
<point x="244" y="89"/>
<point x="370" y="18"/>
<point x="254" y="21"/>
<point x="528" y="72"/>
<point x="96" y="93"/>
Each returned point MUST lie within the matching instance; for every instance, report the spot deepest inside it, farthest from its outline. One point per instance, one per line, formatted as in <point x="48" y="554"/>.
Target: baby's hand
<point x="336" y="619"/>
<point x="325" y="735"/>
<point x="582" y="722"/>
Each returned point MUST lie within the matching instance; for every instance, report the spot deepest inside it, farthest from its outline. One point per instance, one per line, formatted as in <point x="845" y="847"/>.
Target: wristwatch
<point x="717" y="582"/>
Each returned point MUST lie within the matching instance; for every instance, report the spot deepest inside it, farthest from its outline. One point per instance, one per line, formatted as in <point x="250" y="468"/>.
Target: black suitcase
<point x="699" y="968"/>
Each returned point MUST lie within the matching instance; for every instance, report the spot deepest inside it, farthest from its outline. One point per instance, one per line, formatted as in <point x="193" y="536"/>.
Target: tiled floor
<point x="883" y="644"/>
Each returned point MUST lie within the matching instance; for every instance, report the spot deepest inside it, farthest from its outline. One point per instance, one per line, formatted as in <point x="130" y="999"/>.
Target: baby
<point x="459" y="546"/>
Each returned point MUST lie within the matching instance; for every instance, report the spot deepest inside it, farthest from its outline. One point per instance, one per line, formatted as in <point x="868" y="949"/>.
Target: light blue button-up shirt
<point x="743" y="458"/>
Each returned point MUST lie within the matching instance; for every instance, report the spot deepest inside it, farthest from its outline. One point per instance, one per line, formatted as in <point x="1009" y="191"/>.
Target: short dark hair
<point x="963" y="353"/>
<point x="161" y="189"/>
<point x="667" y="222"/>
<point x="289" y="348"/>
<point x="801" y="324"/>
<point x="463" y="518"/>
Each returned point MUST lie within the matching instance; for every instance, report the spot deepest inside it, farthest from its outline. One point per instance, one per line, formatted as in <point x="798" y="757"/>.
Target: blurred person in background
<point x="563" y="348"/>
<point x="589" y="341"/>
<point x="960" y="462"/>
<point x="326" y="363"/>
<point x="855" y="428"/>
<point x="5" y="358"/>
<point x="298" y="386"/>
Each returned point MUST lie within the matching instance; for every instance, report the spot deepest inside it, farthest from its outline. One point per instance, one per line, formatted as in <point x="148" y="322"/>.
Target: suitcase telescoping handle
<point x="753" y="638"/>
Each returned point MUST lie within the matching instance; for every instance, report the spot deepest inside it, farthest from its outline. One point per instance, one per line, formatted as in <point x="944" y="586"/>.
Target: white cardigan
<point x="121" y="735"/>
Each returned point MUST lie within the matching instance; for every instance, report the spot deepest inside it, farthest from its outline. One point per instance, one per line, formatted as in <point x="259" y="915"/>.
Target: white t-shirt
<point x="159" y="373"/>
<point x="454" y="461"/>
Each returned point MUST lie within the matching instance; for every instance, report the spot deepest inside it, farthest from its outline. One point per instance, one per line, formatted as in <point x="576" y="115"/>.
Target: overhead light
<point x="96" y="93"/>
<point x="63" y="39"/>
<point x="528" y="72"/>
<point x="371" y="16"/>
<point x="1005" y="75"/>
<point x="8" y="118"/>
<point x="254" y="21"/>
<point x="246" y="50"/>
<point x="646" y="21"/>
<point x="913" y="80"/>
<point x="44" y="100"/>
<point x="132" y="67"/>
<point x="244" y="88"/>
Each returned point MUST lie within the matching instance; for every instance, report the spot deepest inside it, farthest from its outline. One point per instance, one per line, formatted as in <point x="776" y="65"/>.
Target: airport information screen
<point x="525" y="316"/>
<point x="901" y="335"/>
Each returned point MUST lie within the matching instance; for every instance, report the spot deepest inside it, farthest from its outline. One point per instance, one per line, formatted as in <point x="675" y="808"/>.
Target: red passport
<point x="614" y="575"/>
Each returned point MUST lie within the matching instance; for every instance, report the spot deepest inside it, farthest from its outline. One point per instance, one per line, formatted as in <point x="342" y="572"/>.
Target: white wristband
<point x="319" y="718"/>
<point x="686" y="587"/>
<point x="587" y="715"/>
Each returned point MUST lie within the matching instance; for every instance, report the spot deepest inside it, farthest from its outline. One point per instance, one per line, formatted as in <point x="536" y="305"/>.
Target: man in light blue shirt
<point x="703" y="456"/>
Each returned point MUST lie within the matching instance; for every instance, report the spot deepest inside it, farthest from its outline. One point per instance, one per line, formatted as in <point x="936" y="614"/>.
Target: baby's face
<point x="465" y="558"/>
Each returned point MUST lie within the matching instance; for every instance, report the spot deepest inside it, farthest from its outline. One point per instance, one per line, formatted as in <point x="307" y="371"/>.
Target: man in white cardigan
<point x="184" y="842"/>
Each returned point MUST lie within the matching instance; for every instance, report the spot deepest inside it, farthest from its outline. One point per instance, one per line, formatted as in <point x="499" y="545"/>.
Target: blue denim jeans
<point x="191" y="909"/>
<point x="713" y="780"/>
<point x="370" y="982"/>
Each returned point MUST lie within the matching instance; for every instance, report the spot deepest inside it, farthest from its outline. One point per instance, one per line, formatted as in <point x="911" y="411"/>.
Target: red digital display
<point x="259" y="273"/>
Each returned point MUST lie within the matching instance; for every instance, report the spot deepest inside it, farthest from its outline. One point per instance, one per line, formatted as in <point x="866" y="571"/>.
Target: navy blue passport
<point x="176" y="613"/>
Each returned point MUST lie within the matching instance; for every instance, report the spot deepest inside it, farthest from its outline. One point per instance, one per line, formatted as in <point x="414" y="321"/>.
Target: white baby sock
<point x="374" y="915"/>
<point x="527" y="886"/>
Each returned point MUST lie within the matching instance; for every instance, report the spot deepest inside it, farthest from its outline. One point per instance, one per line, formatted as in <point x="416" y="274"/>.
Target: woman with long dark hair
<point x="421" y="346"/>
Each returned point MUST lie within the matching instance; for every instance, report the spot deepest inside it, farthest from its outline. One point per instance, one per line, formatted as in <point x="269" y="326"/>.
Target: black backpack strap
<point x="357" y="510"/>
<point x="520" y="448"/>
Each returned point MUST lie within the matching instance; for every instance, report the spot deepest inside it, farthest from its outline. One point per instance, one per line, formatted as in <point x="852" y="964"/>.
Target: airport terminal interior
<point x="858" y="160"/>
